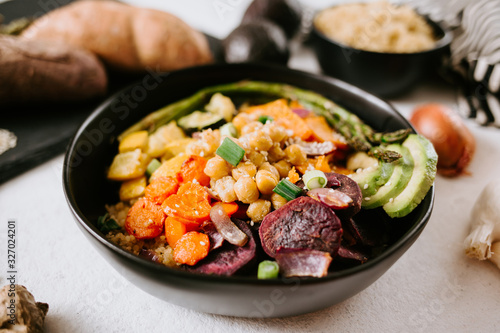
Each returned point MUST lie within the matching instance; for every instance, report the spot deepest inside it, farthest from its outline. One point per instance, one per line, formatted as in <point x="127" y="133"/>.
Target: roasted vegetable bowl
<point x="262" y="183"/>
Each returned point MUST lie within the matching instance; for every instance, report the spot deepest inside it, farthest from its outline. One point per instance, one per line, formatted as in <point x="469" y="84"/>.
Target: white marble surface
<point x="432" y="288"/>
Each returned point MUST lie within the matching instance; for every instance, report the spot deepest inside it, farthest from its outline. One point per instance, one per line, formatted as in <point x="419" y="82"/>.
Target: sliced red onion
<point x="226" y="227"/>
<point x="216" y="239"/>
<point x="303" y="262"/>
<point x="351" y="254"/>
<point x="302" y="113"/>
<point x="330" y="197"/>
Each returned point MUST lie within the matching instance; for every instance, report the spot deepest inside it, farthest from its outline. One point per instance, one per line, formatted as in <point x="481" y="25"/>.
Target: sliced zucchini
<point x="198" y="121"/>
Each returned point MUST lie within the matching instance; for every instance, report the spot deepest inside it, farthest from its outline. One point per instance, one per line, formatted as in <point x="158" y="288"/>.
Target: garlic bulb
<point x="484" y="240"/>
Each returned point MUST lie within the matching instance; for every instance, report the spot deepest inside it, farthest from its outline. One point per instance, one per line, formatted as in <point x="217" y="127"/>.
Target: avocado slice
<point x="372" y="178"/>
<point x="403" y="169"/>
<point x="422" y="178"/>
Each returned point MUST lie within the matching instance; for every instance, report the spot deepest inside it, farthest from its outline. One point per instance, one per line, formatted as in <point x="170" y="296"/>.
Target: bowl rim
<point x="443" y="42"/>
<point x="89" y="226"/>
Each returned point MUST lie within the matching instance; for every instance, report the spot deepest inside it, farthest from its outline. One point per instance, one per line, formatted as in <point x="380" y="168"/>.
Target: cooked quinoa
<point x="379" y="27"/>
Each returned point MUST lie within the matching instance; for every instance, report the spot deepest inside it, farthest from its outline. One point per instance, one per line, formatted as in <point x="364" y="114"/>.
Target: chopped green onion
<point x="264" y="119"/>
<point x="105" y="224"/>
<point x="268" y="270"/>
<point x="228" y="130"/>
<point x="230" y="151"/>
<point x="314" y="179"/>
<point x="152" y="166"/>
<point x="287" y="189"/>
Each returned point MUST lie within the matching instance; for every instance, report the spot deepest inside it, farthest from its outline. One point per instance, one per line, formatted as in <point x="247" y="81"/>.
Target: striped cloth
<point x="475" y="53"/>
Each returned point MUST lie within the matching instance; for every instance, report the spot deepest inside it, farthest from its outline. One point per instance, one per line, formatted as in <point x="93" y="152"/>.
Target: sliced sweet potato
<point x="125" y="37"/>
<point x="282" y="115"/>
<point x="322" y="132"/>
<point x="40" y="71"/>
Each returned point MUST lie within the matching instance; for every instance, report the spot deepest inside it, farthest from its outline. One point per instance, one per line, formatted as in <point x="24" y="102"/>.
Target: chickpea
<point x="277" y="200"/>
<point x="225" y="189"/>
<point x="217" y="167"/>
<point x="259" y="141"/>
<point x="251" y="127"/>
<point x="244" y="169"/>
<point x="258" y="210"/>
<point x="276" y="153"/>
<point x="267" y="166"/>
<point x="283" y="168"/>
<point x="206" y="145"/>
<point x="246" y="190"/>
<point x="266" y="181"/>
<point x="295" y="155"/>
<point x="256" y="158"/>
<point x="276" y="132"/>
<point x="241" y="120"/>
<point x="195" y="148"/>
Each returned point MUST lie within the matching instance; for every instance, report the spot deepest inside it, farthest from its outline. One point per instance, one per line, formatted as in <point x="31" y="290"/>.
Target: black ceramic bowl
<point x="383" y="74"/>
<point x="87" y="191"/>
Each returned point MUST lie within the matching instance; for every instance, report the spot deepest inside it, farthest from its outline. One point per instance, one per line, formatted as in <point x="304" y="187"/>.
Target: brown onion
<point x="453" y="141"/>
<point x="226" y="227"/>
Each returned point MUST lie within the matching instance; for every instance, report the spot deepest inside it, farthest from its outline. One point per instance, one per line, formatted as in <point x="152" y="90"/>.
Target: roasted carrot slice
<point x="191" y="248"/>
<point x="293" y="176"/>
<point x="229" y="207"/>
<point x="174" y="230"/>
<point x="196" y="191"/>
<point x="191" y="204"/>
<point x="145" y="220"/>
<point x="321" y="163"/>
<point x="160" y="189"/>
<point x="193" y="169"/>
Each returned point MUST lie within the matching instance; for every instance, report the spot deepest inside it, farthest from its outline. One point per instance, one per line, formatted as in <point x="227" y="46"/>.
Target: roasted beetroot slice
<point x="149" y="255"/>
<point x="216" y="239"/>
<point x="303" y="262"/>
<point x="366" y="231"/>
<point x="229" y="258"/>
<point x="350" y="254"/>
<point x="302" y="223"/>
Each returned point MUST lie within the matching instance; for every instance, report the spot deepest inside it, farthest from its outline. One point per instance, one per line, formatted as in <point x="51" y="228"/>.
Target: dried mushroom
<point x="19" y="312"/>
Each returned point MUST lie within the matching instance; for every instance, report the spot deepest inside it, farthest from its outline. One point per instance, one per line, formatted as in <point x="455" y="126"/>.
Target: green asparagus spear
<point x="358" y="134"/>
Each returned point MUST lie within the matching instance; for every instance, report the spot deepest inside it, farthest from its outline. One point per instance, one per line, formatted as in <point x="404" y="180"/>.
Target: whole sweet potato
<point x="35" y="71"/>
<point x="123" y="36"/>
